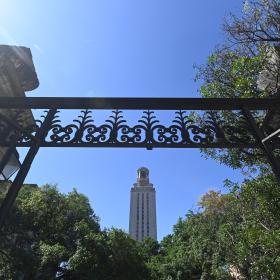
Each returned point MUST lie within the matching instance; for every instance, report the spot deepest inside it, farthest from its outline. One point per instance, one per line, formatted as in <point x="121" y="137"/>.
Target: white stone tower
<point x="142" y="218"/>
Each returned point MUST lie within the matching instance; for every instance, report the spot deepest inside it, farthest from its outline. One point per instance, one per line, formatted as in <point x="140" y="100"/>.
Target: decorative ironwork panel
<point x="185" y="131"/>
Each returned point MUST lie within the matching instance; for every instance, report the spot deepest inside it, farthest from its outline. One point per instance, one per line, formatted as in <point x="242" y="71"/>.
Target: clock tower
<point x="142" y="217"/>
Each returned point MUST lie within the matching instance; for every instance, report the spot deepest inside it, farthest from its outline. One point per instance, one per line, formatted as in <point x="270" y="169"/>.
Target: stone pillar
<point x="17" y="75"/>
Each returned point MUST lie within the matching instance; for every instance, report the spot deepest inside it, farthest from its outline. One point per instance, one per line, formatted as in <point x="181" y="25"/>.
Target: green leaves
<point x="231" y="234"/>
<point x="245" y="66"/>
<point x="50" y="234"/>
<point x="41" y="232"/>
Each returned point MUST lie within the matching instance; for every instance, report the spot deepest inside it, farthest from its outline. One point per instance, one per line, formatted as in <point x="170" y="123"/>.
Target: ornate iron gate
<point x="206" y="129"/>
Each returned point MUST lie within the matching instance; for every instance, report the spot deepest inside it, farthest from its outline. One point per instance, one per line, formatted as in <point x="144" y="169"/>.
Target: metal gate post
<point x="259" y="135"/>
<point x="24" y="169"/>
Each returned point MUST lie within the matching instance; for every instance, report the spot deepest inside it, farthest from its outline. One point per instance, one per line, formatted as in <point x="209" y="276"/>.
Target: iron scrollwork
<point x="185" y="131"/>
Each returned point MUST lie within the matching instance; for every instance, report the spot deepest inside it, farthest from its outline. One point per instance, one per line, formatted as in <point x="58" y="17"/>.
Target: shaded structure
<point x="205" y="129"/>
<point x="17" y="75"/>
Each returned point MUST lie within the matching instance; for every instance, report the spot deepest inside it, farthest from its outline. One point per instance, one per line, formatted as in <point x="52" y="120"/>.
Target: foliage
<point x="246" y="65"/>
<point x="259" y="23"/>
<point x="49" y="235"/>
<point x="231" y="234"/>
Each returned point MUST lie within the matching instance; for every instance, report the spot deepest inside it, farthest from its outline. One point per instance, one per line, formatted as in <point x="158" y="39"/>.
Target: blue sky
<point x="121" y="48"/>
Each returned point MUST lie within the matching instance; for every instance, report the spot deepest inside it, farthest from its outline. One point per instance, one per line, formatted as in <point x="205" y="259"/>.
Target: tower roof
<point x="143" y="176"/>
<point x="142" y="168"/>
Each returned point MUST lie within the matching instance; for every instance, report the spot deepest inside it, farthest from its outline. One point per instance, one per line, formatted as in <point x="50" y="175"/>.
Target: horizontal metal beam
<point x="139" y="103"/>
<point x="227" y="145"/>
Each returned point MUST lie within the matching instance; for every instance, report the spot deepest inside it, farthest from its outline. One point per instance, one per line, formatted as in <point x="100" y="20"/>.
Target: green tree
<point x="50" y="235"/>
<point x="149" y="247"/>
<point x="41" y="232"/>
<point x="251" y="232"/>
<point x="91" y="259"/>
<point x="110" y="255"/>
<point x="246" y="65"/>
<point x="127" y="258"/>
<point x="237" y="233"/>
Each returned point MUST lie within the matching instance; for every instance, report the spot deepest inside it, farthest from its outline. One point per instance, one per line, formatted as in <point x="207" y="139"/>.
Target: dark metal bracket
<point x="268" y="150"/>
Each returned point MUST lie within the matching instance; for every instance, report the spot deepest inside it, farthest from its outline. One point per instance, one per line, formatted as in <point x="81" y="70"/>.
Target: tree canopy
<point x="230" y="235"/>
<point x="245" y="65"/>
<point x="50" y="235"/>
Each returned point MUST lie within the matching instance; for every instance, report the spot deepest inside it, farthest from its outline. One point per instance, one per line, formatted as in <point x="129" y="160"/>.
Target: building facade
<point x="142" y="217"/>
